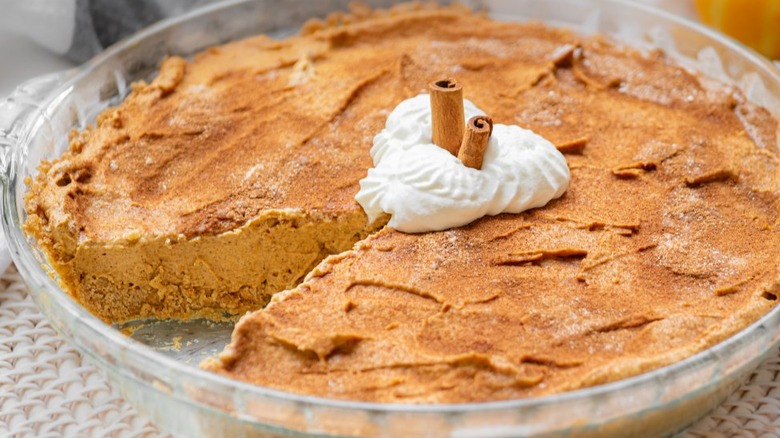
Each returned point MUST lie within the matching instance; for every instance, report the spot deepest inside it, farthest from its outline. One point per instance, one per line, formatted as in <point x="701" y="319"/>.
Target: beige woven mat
<point x="47" y="391"/>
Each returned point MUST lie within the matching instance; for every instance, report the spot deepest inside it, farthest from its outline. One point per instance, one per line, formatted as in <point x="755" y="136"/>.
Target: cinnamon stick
<point x="447" y="114"/>
<point x="475" y="141"/>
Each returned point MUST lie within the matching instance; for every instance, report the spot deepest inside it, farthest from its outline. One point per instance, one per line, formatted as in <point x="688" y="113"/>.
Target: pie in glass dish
<point x="229" y="181"/>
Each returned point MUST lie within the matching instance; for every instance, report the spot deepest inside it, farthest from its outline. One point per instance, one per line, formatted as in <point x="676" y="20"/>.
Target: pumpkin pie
<point x="232" y="176"/>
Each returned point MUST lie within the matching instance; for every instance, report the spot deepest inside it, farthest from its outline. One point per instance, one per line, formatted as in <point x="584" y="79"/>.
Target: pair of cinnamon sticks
<point x="467" y="141"/>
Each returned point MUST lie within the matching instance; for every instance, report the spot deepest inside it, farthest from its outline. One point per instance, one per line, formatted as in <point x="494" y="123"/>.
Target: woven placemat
<point x="46" y="390"/>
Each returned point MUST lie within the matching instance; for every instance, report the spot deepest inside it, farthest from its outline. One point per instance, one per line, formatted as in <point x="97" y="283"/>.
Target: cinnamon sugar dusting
<point x="664" y="244"/>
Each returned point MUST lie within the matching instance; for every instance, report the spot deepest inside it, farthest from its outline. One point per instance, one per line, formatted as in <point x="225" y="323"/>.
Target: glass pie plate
<point x="156" y="367"/>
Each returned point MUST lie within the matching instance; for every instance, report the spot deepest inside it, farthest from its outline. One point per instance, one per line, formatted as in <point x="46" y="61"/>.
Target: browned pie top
<point x="260" y="123"/>
<point x="664" y="244"/>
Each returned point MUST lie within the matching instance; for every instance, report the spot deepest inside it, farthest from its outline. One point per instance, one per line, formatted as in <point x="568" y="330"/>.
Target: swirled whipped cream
<point x="426" y="188"/>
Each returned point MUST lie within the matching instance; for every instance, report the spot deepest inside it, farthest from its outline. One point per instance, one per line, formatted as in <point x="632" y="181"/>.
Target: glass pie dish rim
<point x="34" y="273"/>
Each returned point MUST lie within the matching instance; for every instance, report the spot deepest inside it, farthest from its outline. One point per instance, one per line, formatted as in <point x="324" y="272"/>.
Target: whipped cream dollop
<point x="426" y="188"/>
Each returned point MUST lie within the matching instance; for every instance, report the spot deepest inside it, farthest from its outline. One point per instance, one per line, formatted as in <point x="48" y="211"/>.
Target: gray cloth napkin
<point x="80" y="29"/>
<point x="100" y="23"/>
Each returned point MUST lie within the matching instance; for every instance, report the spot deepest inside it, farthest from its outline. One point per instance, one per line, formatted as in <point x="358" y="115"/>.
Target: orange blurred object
<point x="756" y="23"/>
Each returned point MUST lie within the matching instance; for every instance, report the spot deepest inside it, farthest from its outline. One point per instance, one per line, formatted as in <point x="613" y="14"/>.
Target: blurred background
<point x="42" y="36"/>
